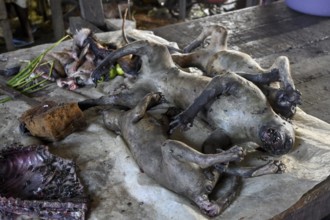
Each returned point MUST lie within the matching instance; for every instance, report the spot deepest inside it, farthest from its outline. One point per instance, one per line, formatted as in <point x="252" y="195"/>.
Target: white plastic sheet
<point x="119" y="190"/>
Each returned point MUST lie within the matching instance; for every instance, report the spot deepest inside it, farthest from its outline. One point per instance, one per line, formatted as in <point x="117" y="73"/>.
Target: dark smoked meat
<point x="35" y="184"/>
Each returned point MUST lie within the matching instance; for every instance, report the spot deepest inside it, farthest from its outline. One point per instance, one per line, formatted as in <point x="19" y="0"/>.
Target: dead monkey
<point x="174" y="164"/>
<point x="171" y="163"/>
<point x="214" y="58"/>
<point x="231" y="104"/>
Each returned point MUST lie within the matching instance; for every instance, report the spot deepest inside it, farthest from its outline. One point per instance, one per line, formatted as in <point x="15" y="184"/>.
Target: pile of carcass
<point x="238" y="99"/>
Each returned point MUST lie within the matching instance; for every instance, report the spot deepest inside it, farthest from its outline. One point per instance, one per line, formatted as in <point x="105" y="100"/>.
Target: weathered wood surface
<point x="266" y="33"/>
<point x="270" y="31"/>
<point x="92" y="11"/>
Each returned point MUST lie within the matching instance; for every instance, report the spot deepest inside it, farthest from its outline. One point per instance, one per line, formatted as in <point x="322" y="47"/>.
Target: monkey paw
<point x="180" y="121"/>
<point x="278" y="166"/>
<point x="162" y="98"/>
<point x="272" y="167"/>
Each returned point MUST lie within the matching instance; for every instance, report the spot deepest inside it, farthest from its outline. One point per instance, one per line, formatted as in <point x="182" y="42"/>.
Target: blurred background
<point x="26" y="23"/>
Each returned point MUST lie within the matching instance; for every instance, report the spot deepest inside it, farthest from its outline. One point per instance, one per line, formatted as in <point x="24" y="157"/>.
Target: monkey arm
<point x="221" y="84"/>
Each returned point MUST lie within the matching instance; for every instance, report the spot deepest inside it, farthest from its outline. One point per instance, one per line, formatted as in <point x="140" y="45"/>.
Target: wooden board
<point x="92" y="11"/>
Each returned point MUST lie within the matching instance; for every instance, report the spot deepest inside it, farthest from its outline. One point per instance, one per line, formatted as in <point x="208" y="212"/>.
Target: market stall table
<point x="263" y="32"/>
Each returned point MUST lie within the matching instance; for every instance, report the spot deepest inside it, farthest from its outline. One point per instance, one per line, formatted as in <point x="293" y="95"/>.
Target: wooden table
<point x="268" y="32"/>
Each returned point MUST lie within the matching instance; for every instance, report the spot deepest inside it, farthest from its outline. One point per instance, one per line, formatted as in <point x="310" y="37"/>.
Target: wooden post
<point x="5" y="25"/>
<point x="57" y="19"/>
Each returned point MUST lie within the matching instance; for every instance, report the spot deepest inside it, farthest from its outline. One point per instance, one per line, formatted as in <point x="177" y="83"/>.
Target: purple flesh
<point x="36" y="183"/>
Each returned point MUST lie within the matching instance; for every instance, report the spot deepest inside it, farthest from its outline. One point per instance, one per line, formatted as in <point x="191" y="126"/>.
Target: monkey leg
<point x="221" y="198"/>
<point x="224" y="195"/>
<point x="179" y="156"/>
<point x="226" y="83"/>
<point x="286" y="98"/>
<point x="184" y="153"/>
<point x="199" y="58"/>
<point x="147" y="102"/>
<point x="208" y="207"/>
<point x="283" y="65"/>
<point x="126" y="98"/>
<point x="272" y="167"/>
<point x="157" y="56"/>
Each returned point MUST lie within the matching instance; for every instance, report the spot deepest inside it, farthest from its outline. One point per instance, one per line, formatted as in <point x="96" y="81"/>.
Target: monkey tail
<point x="123" y="27"/>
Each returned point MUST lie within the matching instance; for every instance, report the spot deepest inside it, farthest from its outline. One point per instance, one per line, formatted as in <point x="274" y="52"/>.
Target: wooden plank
<point x="246" y="19"/>
<point x="57" y="19"/>
<point x="312" y="205"/>
<point x="92" y="11"/>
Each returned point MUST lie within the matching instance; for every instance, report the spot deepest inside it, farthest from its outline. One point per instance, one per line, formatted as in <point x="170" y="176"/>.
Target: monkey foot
<point x="272" y="167"/>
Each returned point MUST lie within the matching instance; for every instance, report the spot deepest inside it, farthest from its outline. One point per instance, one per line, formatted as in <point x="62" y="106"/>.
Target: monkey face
<point x="277" y="139"/>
